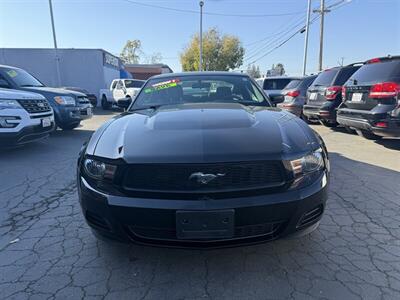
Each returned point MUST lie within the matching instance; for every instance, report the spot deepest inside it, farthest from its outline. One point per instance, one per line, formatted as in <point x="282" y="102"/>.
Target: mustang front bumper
<point x="161" y="222"/>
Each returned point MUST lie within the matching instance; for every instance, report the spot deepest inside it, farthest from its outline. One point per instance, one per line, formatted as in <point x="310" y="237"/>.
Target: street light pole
<point x="321" y="35"/>
<point x="306" y="37"/>
<point x="201" y="3"/>
<point x="55" y="44"/>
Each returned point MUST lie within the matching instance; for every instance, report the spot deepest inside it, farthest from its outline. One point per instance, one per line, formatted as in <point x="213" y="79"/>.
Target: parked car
<point x="325" y="94"/>
<point x="120" y="89"/>
<point x="92" y="97"/>
<point x="24" y="117"/>
<point x="205" y="169"/>
<point x="295" y="94"/>
<point x="371" y="99"/>
<point x="273" y="86"/>
<point x="69" y="107"/>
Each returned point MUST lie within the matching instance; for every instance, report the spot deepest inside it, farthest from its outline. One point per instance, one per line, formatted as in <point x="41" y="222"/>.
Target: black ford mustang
<point x="203" y="160"/>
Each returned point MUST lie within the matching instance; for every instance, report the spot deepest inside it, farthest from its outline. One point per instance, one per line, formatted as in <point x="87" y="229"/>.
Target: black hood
<point x="203" y="133"/>
<point x="45" y="90"/>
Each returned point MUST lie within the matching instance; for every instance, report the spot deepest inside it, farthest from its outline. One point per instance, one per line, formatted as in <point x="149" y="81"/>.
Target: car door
<point x="118" y="92"/>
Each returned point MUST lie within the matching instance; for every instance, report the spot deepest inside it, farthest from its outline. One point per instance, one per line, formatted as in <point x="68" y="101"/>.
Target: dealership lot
<point x="48" y="251"/>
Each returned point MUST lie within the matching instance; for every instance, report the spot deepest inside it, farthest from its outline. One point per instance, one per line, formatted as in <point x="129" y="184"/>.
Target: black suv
<point x="371" y="101"/>
<point x="325" y="94"/>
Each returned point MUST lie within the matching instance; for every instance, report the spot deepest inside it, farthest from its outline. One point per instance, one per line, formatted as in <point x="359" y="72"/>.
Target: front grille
<point x="178" y="178"/>
<point x="35" y="106"/>
<point x="83" y="100"/>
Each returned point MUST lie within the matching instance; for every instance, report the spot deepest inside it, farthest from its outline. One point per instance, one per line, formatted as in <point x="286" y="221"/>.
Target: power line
<point x="337" y="6"/>
<point x="212" y="13"/>
<point x="267" y="45"/>
<point x="281" y="43"/>
<point x="296" y="21"/>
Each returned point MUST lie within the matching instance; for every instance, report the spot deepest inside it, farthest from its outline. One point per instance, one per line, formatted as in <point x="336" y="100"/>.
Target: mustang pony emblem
<point x="204" y="178"/>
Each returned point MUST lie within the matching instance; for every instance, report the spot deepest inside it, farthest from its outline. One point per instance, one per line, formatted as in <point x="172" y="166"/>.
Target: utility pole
<point x="306" y="37"/>
<point x="55" y="44"/>
<point x="201" y="3"/>
<point x="321" y="11"/>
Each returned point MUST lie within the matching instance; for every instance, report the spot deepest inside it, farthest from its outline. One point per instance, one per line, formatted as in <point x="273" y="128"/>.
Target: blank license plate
<point x="205" y="224"/>
<point x="313" y="96"/>
<point x="46" y="122"/>
<point x="356" y="97"/>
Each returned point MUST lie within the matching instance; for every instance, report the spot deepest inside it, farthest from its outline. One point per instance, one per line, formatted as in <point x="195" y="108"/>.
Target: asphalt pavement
<point x="48" y="252"/>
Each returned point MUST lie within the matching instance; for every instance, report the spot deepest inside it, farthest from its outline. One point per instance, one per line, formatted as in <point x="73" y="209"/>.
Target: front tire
<point x="104" y="103"/>
<point x="368" y="135"/>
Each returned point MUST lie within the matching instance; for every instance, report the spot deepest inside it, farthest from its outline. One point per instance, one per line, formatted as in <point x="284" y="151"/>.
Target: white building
<point x="91" y="69"/>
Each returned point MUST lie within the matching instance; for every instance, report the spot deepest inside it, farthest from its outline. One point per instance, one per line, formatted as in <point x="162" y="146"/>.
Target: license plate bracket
<point x="46" y="122"/>
<point x="313" y="96"/>
<point x="356" y="97"/>
<point x="205" y="224"/>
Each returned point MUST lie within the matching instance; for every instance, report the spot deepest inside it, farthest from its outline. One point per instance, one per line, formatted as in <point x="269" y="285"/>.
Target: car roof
<point x="198" y="73"/>
<point x="9" y="67"/>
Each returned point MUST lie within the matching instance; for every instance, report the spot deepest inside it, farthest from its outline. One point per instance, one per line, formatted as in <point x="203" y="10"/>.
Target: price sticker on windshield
<point x="12" y="73"/>
<point x="162" y="85"/>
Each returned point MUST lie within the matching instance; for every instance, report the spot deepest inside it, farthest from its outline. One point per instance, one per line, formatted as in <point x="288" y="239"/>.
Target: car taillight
<point x="332" y="91"/>
<point x="343" y="93"/>
<point x="293" y="93"/>
<point x="384" y="90"/>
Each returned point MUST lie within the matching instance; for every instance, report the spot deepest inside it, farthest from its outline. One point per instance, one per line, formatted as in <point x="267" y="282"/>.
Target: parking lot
<point x="48" y="251"/>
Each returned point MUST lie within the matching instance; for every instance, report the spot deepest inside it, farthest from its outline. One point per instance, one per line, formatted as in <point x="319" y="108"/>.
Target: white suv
<point x="24" y="117"/>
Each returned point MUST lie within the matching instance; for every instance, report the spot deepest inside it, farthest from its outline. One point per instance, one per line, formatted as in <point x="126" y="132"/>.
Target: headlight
<point x="10" y="104"/>
<point x="308" y="164"/>
<point x="306" y="169"/>
<point x="98" y="169"/>
<point x="64" y="100"/>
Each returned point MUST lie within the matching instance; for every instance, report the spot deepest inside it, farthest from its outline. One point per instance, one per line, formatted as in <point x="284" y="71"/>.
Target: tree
<point x="131" y="52"/>
<point x="154" y="58"/>
<point x="253" y="71"/>
<point x="220" y="53"/>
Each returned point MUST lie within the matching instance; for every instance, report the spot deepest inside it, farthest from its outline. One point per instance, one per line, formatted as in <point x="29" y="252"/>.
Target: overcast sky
<point x="356" y="31"/>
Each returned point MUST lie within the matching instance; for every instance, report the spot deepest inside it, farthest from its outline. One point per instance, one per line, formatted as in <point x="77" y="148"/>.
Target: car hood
<point x="53" y="91"/>
<point x="18" y="95"/>
<point x="200" y="133"/>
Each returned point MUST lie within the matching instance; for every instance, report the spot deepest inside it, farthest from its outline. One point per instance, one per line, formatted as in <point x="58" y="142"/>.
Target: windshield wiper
<point x="251" y="103"/>
<point x="30" y="85"/>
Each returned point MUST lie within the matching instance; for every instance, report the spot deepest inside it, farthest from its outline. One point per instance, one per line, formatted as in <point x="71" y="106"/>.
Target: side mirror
<point x="4" y="84"/>
<point x="124" y="103"/>
<point x="276" y="99"/>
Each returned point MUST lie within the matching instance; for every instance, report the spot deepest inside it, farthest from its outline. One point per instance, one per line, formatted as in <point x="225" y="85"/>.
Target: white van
<point x="24" y="117"/>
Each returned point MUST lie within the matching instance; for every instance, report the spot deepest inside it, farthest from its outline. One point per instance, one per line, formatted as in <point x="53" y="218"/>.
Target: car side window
<point x="4" y="83"/>
<point x="345" y="74"/>
<point x="114" y="84"/>
<point x="119" y="85"/>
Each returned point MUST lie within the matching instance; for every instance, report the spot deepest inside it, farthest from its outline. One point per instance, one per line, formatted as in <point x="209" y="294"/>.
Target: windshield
<point x="134" y="83"/>
<point x="22" y="78"/>
<point x="199" y="89"/>
<point x="293" y="84"/>
<point x="276" y="84"/>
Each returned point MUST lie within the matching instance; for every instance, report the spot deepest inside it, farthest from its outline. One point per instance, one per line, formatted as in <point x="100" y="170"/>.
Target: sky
<point x="354" y="30"/>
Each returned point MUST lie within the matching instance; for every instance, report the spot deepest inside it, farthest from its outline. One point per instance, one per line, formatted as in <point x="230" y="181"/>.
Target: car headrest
<point x="223" y="92"/>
